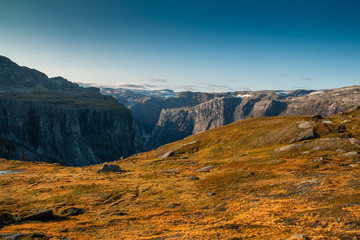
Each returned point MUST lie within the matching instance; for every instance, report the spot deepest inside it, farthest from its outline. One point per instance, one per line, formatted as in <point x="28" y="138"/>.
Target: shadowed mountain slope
<point x="54" y="120"/>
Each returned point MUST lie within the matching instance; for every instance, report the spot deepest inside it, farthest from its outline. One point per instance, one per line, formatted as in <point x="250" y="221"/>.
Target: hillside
<point x="263" y="178"/>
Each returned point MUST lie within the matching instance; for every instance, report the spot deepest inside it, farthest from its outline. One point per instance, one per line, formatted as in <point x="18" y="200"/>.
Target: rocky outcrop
<point x="54" y="120"/>
<point x="176" y="124"/>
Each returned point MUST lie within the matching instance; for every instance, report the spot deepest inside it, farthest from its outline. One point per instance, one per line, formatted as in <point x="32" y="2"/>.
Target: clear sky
<point x="198" y="45"/>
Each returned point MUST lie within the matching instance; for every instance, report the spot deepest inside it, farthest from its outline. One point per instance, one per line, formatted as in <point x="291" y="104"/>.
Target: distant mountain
<point x="166" y="119"/>
<point x="54" y="120"/>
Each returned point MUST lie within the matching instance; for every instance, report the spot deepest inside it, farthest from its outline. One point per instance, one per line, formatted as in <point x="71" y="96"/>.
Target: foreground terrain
<point x="261" y="178"/>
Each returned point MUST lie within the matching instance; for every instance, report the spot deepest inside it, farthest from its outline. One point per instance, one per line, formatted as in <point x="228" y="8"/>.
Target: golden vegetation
<point x="252" y="192"/>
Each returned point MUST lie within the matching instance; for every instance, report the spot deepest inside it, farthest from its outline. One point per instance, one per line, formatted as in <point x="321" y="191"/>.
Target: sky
<point x="187" y="45"/>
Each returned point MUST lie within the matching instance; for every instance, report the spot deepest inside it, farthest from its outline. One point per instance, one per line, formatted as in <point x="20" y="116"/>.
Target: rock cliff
<point x="54" y="120"/>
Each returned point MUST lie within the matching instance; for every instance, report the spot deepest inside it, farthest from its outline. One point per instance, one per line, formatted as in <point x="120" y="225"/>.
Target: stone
<point x="40" y="215"/>
<point x="170" y="171"/>
<point x="321" y="159"/>
<point x="211" y="194"/>
<point x="194" y="178"/>
<point x="306" y="135"/>
<point x="205" y="169"/>
<point x="317" y="116"/>
<point x="340" y="150"/>
<point x="299" y="237"/>
<point x="6" y="218"/>
<point x="110" y="168"/>
<point x="305" y="124"/>
<point x="354" y="141"/>
<point x="350" y="154"/>
<point x="24" y="236"/>
<point x="286" y="148"/>
<point x="303" y="186"/>
<point x="316" y="148"/>
<point x="173" y="205"/>
<point x="166" y="155"/>
<point x="72" y="211"/>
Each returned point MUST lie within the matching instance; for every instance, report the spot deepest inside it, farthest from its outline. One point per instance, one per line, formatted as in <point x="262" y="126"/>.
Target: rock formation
<point x="54" y="120"/>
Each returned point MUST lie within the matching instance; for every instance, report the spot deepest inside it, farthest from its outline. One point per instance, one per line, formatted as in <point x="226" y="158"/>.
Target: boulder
<point x="110" y="168"/>
<point x="20" y="236"/>
<point x="40" y="215"/>
<point x="285" y="148"/>
<point x="194" y="178"/>
<point x="350" y="154"/>
<point x="305" y="135"/>
<point x="170" y="171"/>
<point x="205" y="169"/>
<point x="72" y="211"/>
<point x="305" y="124"/>
<point x="6" y="218"/>
<point x="354" y="141"/>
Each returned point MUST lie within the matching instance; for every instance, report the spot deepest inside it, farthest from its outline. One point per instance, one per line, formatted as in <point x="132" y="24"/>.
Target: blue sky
<point x="193" y="45"/>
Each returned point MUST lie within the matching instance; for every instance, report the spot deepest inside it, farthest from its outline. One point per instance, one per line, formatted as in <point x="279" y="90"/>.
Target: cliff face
<point x="166" y="120"/>
<point x="54" y="120"/>
<point x="176" y="124"/>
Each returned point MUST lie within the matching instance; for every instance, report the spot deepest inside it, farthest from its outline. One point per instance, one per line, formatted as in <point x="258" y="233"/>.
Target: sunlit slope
<point x="265" y="178"/>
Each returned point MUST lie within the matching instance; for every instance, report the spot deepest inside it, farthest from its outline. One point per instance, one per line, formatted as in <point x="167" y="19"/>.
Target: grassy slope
<point x="259" y="194"/>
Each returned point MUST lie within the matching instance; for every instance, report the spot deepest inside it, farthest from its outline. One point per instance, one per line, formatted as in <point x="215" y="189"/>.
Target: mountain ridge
<point x="163" y="120"/>
<point x="54" y="120"/>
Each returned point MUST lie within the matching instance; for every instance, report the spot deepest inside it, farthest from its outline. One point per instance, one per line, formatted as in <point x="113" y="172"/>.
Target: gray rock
<point x="167" y="154"/>
<point x="173" y="205"/>
<point x="340" y="150"/>
<point x="211" y="194"/>
<point x="40" y="215"/>
<point x="321" y="159"/>
<point x="350" y="154"/>
<point x="20" y="236"/>
<point x="307" y="134"/>
<point x="110" y="168"/>
<point x="170" y="171"/>
<point x="6" y="218"/>
<point x="286" y="148"/>
<point x="205" y="169"/>
<point x="305" y="124"/>
<point x="346" y="121"/>
<point x="303" y="186"/>
<point x="72" y="211"/>
<point x="194" y="178"/>
<point x="354" y="141"/>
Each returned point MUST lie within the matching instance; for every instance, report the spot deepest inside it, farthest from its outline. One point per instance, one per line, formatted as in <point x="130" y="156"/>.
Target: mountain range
<point x="172" y="116"/>
<point x="54" y="120"/>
